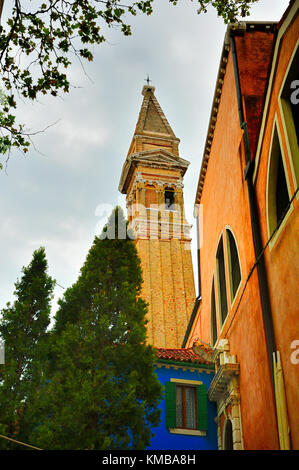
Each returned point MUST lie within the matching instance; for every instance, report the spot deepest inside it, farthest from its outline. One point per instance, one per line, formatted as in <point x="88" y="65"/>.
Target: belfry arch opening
<point x="169" y="198"/>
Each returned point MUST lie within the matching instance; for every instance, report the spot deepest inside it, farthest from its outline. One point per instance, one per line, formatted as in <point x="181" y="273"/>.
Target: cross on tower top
<point x="147" y="80"/>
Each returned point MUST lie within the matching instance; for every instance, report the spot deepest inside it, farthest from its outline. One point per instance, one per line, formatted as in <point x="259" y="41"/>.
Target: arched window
<point x="214" y="333"/>
<point x="169" y="198"/>
<point x="221" y="281"/>
<point x="233" y="264"/>
<point x="289" y="101"/>
<point x="278" y="194"/>
<point x="228" y="436"/>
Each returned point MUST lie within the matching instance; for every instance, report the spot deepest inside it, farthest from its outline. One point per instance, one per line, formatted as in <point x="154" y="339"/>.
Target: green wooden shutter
<point x="170" y="405"/>
<point x="202" y="408"/>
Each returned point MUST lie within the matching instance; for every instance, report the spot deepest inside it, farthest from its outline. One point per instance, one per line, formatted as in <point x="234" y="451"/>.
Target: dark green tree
<point x="39" y="40"/>
<point x="23" y="328"/>
<point x="100" y="391"/>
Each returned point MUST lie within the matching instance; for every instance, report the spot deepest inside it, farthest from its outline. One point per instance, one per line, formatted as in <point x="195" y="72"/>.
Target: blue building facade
<point x="187" y="416"/>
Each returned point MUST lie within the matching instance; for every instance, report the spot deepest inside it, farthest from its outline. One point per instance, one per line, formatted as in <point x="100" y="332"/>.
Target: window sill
<point x="189" y="432"/>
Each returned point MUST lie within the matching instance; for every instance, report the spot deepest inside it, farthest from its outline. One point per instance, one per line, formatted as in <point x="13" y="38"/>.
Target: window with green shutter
<point x="202" y="408"/>
<point x="186" y="406"/>
<point x="170" y="402"/>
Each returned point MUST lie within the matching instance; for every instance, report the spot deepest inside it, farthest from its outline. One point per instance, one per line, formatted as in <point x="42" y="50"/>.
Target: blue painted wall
<point x="163" y="439"/>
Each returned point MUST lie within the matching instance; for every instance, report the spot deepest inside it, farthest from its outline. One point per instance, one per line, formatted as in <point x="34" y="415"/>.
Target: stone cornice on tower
<point x="159" y="158"/>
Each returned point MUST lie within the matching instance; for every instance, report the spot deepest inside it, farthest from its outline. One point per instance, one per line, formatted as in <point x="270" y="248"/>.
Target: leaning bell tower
<point x="152" y="179"/>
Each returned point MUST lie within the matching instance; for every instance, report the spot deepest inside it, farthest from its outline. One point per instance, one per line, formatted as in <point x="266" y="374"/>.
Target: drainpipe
<point x="255" y="224"/>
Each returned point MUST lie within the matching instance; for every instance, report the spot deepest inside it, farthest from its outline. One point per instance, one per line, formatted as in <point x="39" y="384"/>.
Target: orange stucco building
<point x="248" y="221"/>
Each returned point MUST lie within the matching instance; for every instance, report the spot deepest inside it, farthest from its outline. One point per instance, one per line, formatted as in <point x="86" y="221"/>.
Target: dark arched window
<point x="278" y="195"/>
<point x="233" y="264"/>
<point x="214" y="332"/>
<point x="290" y="109"/>
<point x="221" y="282"/>
<point x="228" y="436"/>
<point x="169" y="198"/>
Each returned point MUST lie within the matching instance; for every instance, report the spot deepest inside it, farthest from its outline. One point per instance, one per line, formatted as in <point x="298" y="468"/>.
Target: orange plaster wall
<point x="225" y="203"/>
<point x="282" y="260"/>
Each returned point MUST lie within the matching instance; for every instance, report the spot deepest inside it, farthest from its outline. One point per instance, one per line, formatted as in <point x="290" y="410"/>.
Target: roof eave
<point x="192" y="365"/>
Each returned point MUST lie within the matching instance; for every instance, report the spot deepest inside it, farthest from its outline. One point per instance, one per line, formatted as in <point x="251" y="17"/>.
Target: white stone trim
<point x="189" y="432"/>
<point x="225" y="390"/>
<point x="187" y="382"/>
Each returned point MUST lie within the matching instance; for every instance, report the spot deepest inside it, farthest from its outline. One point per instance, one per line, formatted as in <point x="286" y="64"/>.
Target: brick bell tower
<point x="152" y="179"/>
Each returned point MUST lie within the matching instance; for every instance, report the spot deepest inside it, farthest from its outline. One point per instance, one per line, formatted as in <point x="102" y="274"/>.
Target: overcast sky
<point x="55" y="197"/>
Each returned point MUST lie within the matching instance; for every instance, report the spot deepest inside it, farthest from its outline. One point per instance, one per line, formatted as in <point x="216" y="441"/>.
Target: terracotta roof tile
<point x="181" y="355"/>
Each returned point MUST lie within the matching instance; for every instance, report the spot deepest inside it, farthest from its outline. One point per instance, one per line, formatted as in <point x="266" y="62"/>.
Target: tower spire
<point x="152" y="179"/>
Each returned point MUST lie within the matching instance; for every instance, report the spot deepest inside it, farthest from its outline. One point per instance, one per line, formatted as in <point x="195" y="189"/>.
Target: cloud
<point x="78" y="137"/>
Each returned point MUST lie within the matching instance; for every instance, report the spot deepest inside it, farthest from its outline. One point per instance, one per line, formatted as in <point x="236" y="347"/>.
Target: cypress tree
<point x="101" y="391"/>
<point x="23" y="328"/>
